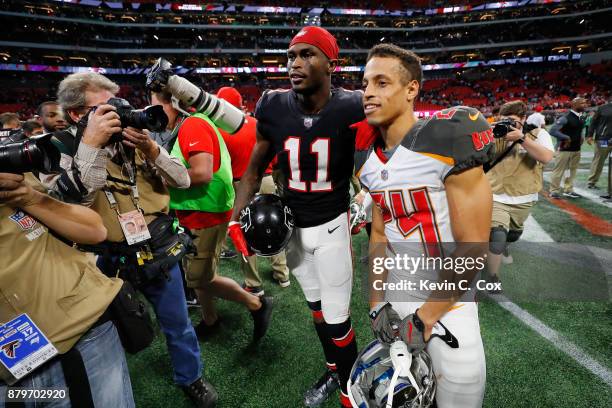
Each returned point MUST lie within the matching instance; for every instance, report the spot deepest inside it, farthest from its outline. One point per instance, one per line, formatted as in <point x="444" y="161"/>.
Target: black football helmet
<point x="267" y="224"/>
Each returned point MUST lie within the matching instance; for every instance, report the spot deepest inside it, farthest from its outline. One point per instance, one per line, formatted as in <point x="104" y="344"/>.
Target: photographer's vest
<point x="518" y="174"/>
<point x="573" y="128"/>
<point x="153" y="196"/>
<point x="214" y="197"/>
<point x="57" y="286"/>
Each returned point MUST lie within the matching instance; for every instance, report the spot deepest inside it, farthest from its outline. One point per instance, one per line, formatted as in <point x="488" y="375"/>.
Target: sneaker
<point x="191" y="299"/>
<point x="253" y="290"/>
<point x="201" y="393"/>
<point x="555" y="195"/>
<point x="571" y="194"/>
<point x="322" y="389"/>
<point x="283" y="283"/>
<point x="205" y="331"/>
<point x="262" y="318"/>
<point x="228" y="254"/>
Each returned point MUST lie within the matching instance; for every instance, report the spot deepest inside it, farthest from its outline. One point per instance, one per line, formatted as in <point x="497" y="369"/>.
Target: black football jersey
<point x="315" y="152"/>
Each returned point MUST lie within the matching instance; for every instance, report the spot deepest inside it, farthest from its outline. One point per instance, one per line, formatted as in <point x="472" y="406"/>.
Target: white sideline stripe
<point x="533" y="232"/>
<point x="585" y="193"/>
<point x="556" y="339"/>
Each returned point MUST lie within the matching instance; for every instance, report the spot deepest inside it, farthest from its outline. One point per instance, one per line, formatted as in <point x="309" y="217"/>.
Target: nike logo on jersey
<point x="330" y="231"/>
<point x="193" y="144"/>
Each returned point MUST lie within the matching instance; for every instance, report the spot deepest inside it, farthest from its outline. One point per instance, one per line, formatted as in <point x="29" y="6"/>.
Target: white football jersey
<point x="409" y="186"/>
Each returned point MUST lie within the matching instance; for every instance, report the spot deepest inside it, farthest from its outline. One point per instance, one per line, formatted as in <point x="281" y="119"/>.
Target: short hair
<point x="8" y="117"/>
<point x="31" y="125"/>
<point x="517" y="108"/>
<point x="71" y="91"/>
<point x="410" y="62"/>
<point x="39" y="110"/>
<point x="164" y="96"/>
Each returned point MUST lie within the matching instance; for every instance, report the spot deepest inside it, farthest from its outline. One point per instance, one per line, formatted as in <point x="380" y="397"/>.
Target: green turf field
<point x="523" y="369"/>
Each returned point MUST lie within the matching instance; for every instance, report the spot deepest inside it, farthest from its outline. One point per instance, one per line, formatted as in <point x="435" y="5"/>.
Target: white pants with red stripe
<point x="320" y="258"/>
<point x="460" y="372"/>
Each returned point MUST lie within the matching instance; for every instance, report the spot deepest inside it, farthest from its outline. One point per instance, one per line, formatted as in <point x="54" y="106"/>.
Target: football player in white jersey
<point x="429" y="189"/>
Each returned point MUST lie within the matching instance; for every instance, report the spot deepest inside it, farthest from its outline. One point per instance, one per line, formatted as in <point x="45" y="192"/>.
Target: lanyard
<point x="130" y="168"/>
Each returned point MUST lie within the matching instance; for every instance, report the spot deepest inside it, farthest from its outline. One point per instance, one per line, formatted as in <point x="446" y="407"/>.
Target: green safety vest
<point x="214" y="197"/>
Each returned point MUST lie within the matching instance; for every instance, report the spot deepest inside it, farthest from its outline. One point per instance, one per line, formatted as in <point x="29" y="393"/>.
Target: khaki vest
<point x="518" y="173"/>
<point x="154" y="197"/>
<point x="59" y="287"/>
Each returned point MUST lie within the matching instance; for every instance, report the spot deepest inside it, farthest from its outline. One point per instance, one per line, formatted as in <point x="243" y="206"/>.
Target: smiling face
<point x="308" y="68"/>
<point x="389" y="91"/>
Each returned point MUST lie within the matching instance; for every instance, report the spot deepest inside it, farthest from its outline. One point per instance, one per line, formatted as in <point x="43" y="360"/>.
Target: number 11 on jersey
<point x="320" y="148"/>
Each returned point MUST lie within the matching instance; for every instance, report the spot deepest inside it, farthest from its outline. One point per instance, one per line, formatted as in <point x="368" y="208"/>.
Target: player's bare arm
<point x="470" y="204"/>
<point x="251" y="180"/>
<point x="378" y="245"/>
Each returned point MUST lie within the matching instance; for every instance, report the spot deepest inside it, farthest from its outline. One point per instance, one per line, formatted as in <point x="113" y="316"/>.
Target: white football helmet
<point x="391" y="377"/>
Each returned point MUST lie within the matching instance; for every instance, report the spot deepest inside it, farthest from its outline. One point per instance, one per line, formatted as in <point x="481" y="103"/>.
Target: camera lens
<point x="34" y="154"/>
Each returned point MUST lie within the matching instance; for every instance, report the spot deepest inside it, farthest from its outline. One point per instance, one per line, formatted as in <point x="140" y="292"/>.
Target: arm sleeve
<point x="545" y="140"/>
<point x="195" y="136"/>
<point x="81" y="176"/>
<point x="260" y="115"/>
<point x="555" y="130"/>
<point x="594" y="123"/>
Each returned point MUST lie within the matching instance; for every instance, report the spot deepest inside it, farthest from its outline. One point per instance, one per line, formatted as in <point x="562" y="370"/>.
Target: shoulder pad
<point x="461" y="136"/>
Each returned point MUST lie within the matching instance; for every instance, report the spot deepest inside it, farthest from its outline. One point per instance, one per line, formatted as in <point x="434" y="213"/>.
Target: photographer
<point x="516" y="179"/>
<point x="123" y="175"/>
<point x="46" y="283"/>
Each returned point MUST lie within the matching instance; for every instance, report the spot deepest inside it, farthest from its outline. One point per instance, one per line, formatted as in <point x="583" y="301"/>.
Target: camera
<point x="152" y="118"/>
<point x="186" y="95"/>
<point x="38" y="153"/>
<point x="504" y="126"/>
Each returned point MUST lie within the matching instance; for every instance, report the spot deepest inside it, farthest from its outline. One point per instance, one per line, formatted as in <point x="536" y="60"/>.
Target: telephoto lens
<point x="37" y="153"/>
<point x="152" y="118"/>
<point x="502" y="128"/>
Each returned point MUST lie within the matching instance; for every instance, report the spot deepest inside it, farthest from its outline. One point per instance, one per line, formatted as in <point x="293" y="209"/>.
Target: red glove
<point x="237" y="237"/>
<point x="356" y="229"/>
<point x="365" y="134"/>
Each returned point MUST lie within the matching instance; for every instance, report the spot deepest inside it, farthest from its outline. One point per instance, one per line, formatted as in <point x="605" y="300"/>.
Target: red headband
<point x="320" y="38"/>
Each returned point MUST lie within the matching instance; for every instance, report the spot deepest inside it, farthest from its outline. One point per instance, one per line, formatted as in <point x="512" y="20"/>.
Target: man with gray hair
<point x="122" y="174"/>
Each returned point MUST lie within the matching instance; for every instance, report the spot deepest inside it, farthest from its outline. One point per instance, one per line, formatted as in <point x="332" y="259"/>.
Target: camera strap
<point x="487" y="167"/>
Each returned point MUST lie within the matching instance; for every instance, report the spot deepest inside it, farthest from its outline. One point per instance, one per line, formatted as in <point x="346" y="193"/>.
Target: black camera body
<point x="152" y="118"/>
<point x="37" y="153"/>
<point x="502" y="128"/>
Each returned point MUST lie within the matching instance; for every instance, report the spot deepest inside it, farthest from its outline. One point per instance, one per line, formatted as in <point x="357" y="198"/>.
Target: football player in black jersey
<point x="427" y="180"/>
<point x="308" y="129"/>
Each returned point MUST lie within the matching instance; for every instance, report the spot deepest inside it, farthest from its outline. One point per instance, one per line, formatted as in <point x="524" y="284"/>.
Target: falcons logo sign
<point x="9" y="348"/>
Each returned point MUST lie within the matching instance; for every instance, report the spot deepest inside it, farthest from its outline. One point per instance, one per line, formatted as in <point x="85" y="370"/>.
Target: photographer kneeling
<point x="516" y="178"/>
<point x="124" y="176"/>
<point x="55" y="329"/>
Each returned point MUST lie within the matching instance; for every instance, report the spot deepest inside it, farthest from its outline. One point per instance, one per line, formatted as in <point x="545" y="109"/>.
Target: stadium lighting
<point x="200" y="37"/>
<point x="155" y="36"/>
<point x="581" y="21"/>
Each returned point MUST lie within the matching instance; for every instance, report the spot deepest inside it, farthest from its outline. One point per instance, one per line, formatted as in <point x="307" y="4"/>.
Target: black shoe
<point x="262" y="317"/>
<point x="322" y="389"/>
<point x="202" y="393"/>
<point x="592" y="186"/>
<point x="205" y="331"/>
<point x="571" y="194"/>
<point x="191" y="298"/>
<point x="228" y="254"/>
<point x="555" y="195"/>
<point x="253" y="290"/>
